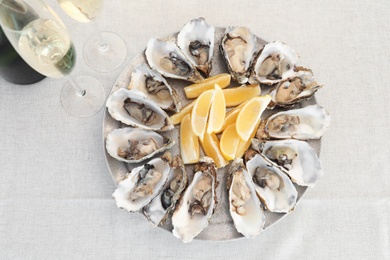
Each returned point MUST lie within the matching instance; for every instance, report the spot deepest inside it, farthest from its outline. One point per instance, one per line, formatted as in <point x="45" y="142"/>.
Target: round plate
<point x="221" y="224"/>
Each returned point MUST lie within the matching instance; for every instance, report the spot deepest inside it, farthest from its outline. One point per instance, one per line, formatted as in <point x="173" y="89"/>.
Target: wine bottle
<point x="12" y="67"/>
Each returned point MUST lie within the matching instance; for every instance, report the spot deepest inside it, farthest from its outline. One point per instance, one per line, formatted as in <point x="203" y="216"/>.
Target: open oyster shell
<point x="132" y="108"/>
<point x="133" y="145"/>
<point x="142" y="184"/>
<point x="158" y="210"/>
<point x="296" y="158"/>
<point x="276" y="62"/>
<point x="196" y="40"/>
<point x="238" y="48"/>
<point x="197" y="204"/>
<point x="154" y="87"/>
<point x="305" y="123"/>
<point x="244" y="205"/>
<point x="291" y="91"/>
<point x="167" y="58"/>
<point x="273" y="186"/>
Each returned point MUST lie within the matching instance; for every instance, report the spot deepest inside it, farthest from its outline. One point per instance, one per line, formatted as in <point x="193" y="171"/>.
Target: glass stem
<point x="103" y="46"/>
<point x="79" y="90"/>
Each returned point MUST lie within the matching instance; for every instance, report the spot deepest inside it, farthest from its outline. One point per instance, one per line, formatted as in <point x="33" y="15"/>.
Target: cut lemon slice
<point x="176" y="118"/>
<point x="243" y="146"/>
<point x="200" y="112"/>
<point x="230" y="117"/>
<point x="235" y="96"/>
<point x="210" y="146"/>
<point x="217" y="111"/>
<point x="229" y="142"/>
<point x="189" y="144"/>
<point x="249" y="116"/>
<point x="194" y="90"/>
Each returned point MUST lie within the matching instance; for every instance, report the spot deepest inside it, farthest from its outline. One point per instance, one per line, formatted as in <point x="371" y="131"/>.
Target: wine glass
<point x="41" y="39"/>
<point x="104" y="51"/>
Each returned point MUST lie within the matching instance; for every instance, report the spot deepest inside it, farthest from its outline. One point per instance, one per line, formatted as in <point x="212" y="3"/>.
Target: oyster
<point x="296" y="158"/>
<point x="197" y="204"/>
<point x="142" y="184"/>
<point x="272" y="185"/>
<point x="309" y="122"/>
<point x="154" y="87"/>
<point x="244" y="205"/>
<point x="238" y="48"/>
<point x="276" y="62"/>
<point x="133" y="145"/>
<point x="291" y="91"/>
<point x="169" y="60"/>
<point x="158" y="210"/>
<point x="196" y="40"/>
<point x="132" y="108"/>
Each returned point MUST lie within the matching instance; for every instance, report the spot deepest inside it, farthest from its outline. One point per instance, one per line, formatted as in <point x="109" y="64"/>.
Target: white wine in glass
<point x="104" y="51"/>
<point x="41" y="39"/>
<point x="82" y="11"/>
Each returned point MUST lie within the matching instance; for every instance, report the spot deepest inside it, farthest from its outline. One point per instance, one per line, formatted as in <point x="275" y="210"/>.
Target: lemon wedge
<point x="210" y="146"/>
<point x="194" y="90"/>
<point x="238" y="95"/>
<point x="200" y="112"/>
<point x="231" y="117"/>
<point x="189" y="144"/>
<point x="177" y="117"/>
<point x="217" y="111"/>
<point x="249" y="116"/>
<point x="229" y="142"/>
<point x="243" y="146"/>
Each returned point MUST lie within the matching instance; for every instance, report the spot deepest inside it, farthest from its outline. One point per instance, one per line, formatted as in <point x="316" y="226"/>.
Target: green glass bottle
<point x="12" y="67"/>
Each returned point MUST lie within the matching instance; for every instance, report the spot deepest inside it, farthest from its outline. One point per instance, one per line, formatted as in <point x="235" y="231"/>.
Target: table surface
<point x="55" y="187"/>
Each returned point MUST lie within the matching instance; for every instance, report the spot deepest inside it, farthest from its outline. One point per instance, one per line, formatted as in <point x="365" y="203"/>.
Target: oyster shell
<point x="169" y="60"/>
<point x="272" y="185"/>
<point x="197" y="204"/>
<point x="276" y="62"/>
<point x="142" y="184"/>
<point x="244" y="205"/>
<point x="296" y="158"/>
<point x="238" y="48"/>
<point x="133" y="145"/>
<point x="309" y="122"/>
<point x="154" y="87"/>
<point x="196" y="40"/>
<point x="132" y="108"/>
<point x="291" y="91"/>
<point x="158" y="210"/>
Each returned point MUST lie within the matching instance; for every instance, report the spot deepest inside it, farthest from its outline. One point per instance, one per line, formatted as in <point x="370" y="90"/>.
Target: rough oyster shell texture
<point x="221" y="225"/>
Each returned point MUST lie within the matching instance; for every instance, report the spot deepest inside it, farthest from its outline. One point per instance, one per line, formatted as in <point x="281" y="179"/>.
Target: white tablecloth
<point x="55" y="187"/>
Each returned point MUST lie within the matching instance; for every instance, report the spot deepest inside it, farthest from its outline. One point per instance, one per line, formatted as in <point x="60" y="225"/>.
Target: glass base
<point x="83" y="104"/>
<point x="105" y="57"/>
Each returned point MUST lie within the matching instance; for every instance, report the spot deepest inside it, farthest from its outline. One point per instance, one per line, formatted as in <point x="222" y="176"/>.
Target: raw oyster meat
<point x="154" y="87"/>
<point x="142" y="184"/>
<point x="238" y="48"/>
<point x="132" y="108"/>
<point x="309" y="122"/>
<point x="273" y="186"/>
<point x="158" y="210"/>
<point x="296" y="158"/>
<point x="244" y="205"/>
<point x="167" y="58"/>
<point x="133" y="145"/>
<point x="291" y="91"/>
<point x="196" y="40"/>
<point x="276" y="62"/>
<point x="197" y="204"/>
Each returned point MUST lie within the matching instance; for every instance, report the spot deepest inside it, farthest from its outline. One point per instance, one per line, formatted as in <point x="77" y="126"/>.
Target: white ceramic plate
<point x="221" y="225"/>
